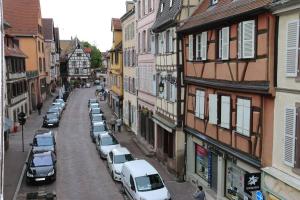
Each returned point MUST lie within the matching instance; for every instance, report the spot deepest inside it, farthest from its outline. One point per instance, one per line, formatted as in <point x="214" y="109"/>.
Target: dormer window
<point x="161" y="7"/>
<point x="171" y="3"/>
<point x="214" y="2"/>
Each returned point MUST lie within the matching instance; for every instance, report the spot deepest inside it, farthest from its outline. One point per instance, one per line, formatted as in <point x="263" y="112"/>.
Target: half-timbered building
<point x="228" y="56"/>
<point x="168" y="114"/>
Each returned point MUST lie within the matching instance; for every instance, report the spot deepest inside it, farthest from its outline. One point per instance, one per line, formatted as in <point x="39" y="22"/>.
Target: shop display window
<point x="201" y="160"/>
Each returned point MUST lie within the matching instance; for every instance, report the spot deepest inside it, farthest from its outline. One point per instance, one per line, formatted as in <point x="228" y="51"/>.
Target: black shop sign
<point x="252" y="182"/>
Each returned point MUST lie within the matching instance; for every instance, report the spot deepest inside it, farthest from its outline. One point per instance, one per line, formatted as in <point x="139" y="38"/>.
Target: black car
<point x="51" y="120"/>
<point x="43" y="140"/>
<point x="41" y="167"/>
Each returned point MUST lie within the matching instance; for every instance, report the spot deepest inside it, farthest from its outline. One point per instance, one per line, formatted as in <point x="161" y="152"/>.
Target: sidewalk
<point x="178" y="190"/>
<point x="14" y="158"/>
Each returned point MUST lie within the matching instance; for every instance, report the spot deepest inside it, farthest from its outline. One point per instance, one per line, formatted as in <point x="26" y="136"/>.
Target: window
<point x="243" y="116"/>
<point x="203" y="45"/>
<point x="84" y="63"/>
<point x="292" y="46"/>
<point x="139" y="9"/>
<point x="144" y="41"/>
<point x="246" y="39"/>
<point x="214" y="2"/>
<point x="139" y="42"/>
<point x="43" y="47"/>
<point x="191" y="49"/>
<point x="79" y="54"/>
<point x="161" y="7"/>
<point x="76" y="71"/>
<point x="149" y="41"/>
<point x="200" y="101"/>
<point x="150" y="5"/>
<point x="198" y="47"/>
<point x="213" y="108"/>
<point x="171" y="41"/>
<point x="39" y="46"/>
<point x="167" y="41"/>
<point x="44" y="64"/>
<point x="201" y="160"/>
<point x="116" y="57"/>
<point x="143" y="7"/>
<point x="171" y="3"/>
<point x="73" y="63"/>
<point x="225" y="112"/>
<point x="40" y="64"/>
<point x="156" y="44"/>
<point x="224" y="43"/>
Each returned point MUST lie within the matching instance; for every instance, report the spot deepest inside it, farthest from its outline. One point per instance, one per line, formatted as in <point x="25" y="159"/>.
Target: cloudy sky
<point x="88" y="19"/>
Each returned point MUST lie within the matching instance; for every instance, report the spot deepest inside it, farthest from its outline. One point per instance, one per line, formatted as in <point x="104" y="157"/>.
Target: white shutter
<point x="153" y="44"/>
<point x="165" y="89"/>
<point x="202" y="104"/>
<point x="247" y="117"/>
<point x="191" y="47"/>
<point x="292" y="44"/>
<point x="220" y="44"/>
<point x="213" y="109"/>
<point x="240" y="40"/>
<point x="204" y="45"/>
<point x="248" y="39"/>
<point x="197" y="108"/>
<point x="225" y="43"/>
<point x="240" y="116"/>
<point x="289" y="136"/>
<point x="225" y="112"/>
<point x="174" y="93"/>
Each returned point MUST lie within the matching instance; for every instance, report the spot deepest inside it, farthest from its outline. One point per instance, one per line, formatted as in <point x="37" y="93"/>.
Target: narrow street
<point x="81" y="174"/>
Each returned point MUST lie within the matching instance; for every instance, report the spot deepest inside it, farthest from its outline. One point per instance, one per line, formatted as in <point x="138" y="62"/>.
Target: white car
<point x="87" y="85"/>
<point x="115" y="160"/>
<point x="140" y="180"/>
<point x="61" y="101"/>
<point x="61" y="104"/>
<point x="106" y="142"/>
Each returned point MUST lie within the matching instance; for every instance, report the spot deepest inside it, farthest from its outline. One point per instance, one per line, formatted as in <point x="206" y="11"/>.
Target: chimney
<point x="129" y="5"/>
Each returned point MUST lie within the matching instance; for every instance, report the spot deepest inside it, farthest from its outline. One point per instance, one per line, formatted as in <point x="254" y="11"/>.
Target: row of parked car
<point x="139" y="179"/>
<point x="41" y="163"/>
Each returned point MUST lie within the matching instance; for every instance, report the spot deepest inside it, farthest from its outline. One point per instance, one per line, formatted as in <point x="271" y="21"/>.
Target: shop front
<point x="146" y="125"/>
<point x="226" y="172"/>
<point x="116" y="104"/>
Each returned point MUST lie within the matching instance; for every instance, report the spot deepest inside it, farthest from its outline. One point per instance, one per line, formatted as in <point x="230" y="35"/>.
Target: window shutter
<point x="213" y="109"/>
<point x="292" y="44"/>
<point x="240" y="116"/>
<point x="153" y="44"/>
<point x="202" y="103"/>
<point x="165" y="89"/>
<point x="204" y="45"/>
<point x="220" y="44"/>
<point x="240" y="40"/>
<point x="171" y="41"/>
<point x="247" y="117"/>
<point x="225" y="43"/>
<point x="225" y="112"/>
<point x="190" y="47"/>
<point x="198" y="47"/>
<point x="289" y="136"/>
<point x="248" y="39"/>
<point x="174" y="92"/>
<point x="197" y="108"/>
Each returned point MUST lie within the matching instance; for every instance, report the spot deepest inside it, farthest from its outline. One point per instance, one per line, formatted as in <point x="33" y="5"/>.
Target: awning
<point x="164" y="123"/>
<point x="7" y="124"/>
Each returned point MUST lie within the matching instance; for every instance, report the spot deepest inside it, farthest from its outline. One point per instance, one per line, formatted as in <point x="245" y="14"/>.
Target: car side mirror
<point x="132" y="187"/>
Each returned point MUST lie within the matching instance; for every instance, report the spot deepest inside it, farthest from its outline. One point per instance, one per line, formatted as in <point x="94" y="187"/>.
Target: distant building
<point x="51" y="53"/>
<point x="76" y="60"/>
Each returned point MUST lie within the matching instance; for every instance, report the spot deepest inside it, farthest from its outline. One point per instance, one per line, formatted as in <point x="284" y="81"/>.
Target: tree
<point x="96" y="57"/>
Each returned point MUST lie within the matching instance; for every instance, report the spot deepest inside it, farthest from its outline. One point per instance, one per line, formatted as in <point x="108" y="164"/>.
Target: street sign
<point x="251" y="182"/>
<point x="259" y="195"/>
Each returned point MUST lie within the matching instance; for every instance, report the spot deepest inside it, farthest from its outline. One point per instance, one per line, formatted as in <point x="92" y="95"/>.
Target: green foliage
<point x="96" y="58"/>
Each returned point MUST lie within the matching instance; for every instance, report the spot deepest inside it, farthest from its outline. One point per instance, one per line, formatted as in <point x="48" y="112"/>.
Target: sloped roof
<point x="67" y="46"/>
<point x="116" y="24"/>
<point x="14" y="52"/>
<point x="167" y="16"/>
<point x="22" y="15"/>
<point x="48" y="28"/>
<point x="87" y="50"/>
<point x="224" y="9"/>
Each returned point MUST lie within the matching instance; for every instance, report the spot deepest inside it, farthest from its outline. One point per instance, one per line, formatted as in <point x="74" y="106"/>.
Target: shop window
<point x="201" y="161"/>
<point x="235" y="182"/>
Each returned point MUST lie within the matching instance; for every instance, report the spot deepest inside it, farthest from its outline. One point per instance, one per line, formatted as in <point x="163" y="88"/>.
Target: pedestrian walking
<point x="119" y="124"/>
<point x="199" y="194"/>
<point x="113" y="124"/>
<point x="39" y="107"/>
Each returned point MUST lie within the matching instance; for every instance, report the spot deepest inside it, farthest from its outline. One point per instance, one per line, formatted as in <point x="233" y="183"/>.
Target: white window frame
<point x="200" y="104"/>
<point x="225" y="43"/>
<point x="243" y="119"/>
<point x="242" y="41"/>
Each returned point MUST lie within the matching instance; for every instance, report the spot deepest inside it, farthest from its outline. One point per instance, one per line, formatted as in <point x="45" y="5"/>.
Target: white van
<point x="141" y="181"/>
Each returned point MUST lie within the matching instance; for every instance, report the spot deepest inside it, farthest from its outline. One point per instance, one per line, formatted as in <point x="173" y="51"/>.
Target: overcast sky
<point x="88" y="19"/>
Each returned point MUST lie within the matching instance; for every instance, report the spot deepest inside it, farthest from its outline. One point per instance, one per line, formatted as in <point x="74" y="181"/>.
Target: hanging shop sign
<point x="252" y="182"/>
<point x="201" y="151"/>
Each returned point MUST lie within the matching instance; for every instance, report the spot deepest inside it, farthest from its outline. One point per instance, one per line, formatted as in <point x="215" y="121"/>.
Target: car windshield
<point x="51" y="116"/>
<point x="94" y="105"/>
<point x="108" y="140"/>
<point x="95" y="110"/>
<point x="42" y="160"/>
<point x="149" y="182"/>
<point x="99" y="128"/>
<point x="44" y="141"/>
<point x="53" y="109"/>
<point x="97" y="118"/>
<point x="60" y="100"/>
<point x="118" y="159"/>
<point x="93" y="101"/>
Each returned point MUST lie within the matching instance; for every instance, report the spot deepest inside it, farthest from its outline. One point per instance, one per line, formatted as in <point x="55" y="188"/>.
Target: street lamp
<point x="22" y="121"/>
<point x="161" y="87"/>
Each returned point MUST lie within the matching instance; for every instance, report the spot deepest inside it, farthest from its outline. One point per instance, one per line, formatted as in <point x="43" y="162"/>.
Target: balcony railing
<point x="17" y="75"/>
<point x="18" y="98"/>
<point x="32" y="74"/>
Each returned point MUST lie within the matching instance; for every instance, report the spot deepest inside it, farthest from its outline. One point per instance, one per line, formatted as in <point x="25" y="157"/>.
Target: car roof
<point x="97" y="114"/>
<point x="97" y="123"/>
<point x="92" y="99"/>
<point x="120" y="151"/>
<point x="43" y="133"/>
<point x="139" y="168"/>
<point x="95" y="108"/>
<point x="42" y="153"/>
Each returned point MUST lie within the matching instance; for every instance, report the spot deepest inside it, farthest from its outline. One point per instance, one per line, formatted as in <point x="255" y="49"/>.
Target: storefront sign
<point x="259" y="195"/>
<point x="201" y="151"/>
<point x="252" y="182"/>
